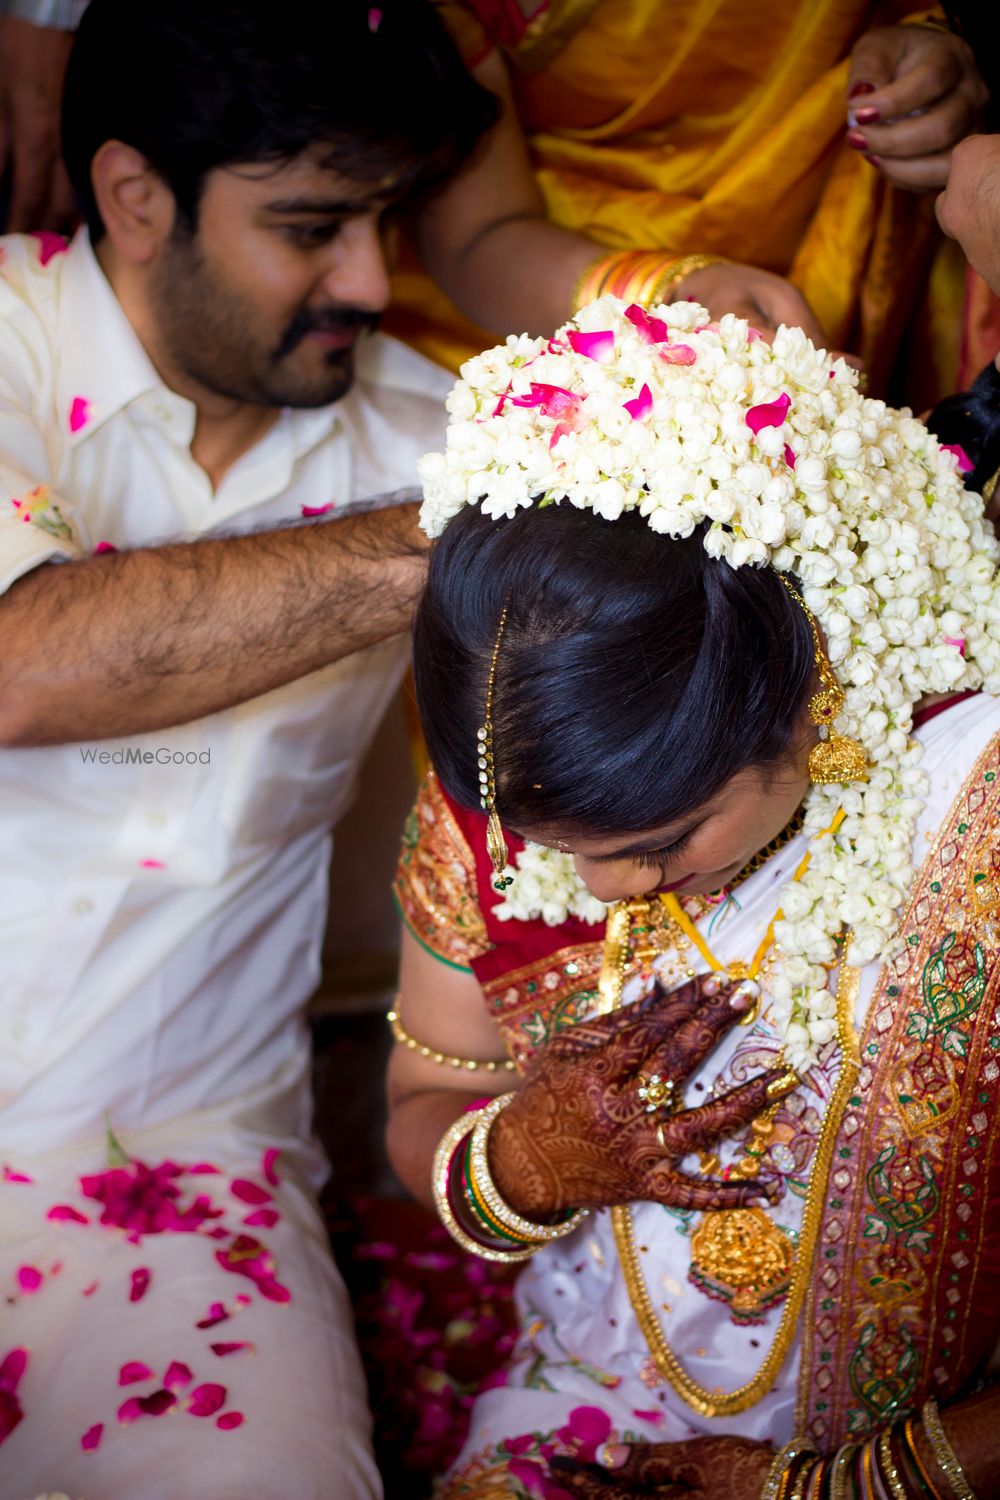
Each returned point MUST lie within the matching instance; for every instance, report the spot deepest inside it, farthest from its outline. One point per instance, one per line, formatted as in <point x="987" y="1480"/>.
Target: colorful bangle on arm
<point x="944" y="1454"/>
<point x="643" y="276"/>
<point x="448" y="1195"/>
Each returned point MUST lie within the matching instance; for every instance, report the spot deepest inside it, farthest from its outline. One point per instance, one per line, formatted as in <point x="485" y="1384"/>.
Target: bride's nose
<point x="615" y="882"/>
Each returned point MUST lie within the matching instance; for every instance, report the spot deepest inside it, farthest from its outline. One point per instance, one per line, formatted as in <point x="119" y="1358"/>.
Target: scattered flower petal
<point x="789" y="456"/>
<point x="216" y="1314"/>
<point x="267" y="1162"/>
<point x="234" y="1348"/>
<point x="965" y="464"/>
<point x="91" y="1439"/>
<point x="29" y="1278"/>
<point x="317" y="510"/>
<point x="769" y="413"/>
<point x="9" y="1175"/>
<point x="678" y="354"/>
<point x="203" y="1169"/>
<point x="205" y="1400"/>
<point x="151" y="864"/>
<point x="49" y="244"/>
<point x="132" y="1371"/>
<point x="374" y="22"/>
<point x="156" y="1405"/>
<point x="89" y="1291"/>
<point x="178" y="1375"/>
<point x="80" y="413"/>
<point x="248" y="1192"/>
<point x="262" y="1218"/>
<point x="230" y="1420"/>
<point x="640" y="408"/>
<point x="104" y="547"/>
<point x="597" y="346"/>
<point x="13" y="1367"/>
<point x="139" y="1283"/>
<point x="63" y="1212"/>
<point x="656" y="1418"/>
<point x="958" y="641"/>
<point x="651" y="330"/>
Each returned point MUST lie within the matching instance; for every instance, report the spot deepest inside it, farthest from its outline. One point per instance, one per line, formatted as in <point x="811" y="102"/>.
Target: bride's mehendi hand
<point x="577" y="1134"/>
<point x="698" y="1468"/>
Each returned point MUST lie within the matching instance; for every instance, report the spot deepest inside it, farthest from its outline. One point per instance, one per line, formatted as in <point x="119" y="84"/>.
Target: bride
<point x="698" y="1009"/>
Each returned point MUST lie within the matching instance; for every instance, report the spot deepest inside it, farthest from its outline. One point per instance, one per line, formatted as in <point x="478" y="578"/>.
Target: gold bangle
<point x="840" y="1470"/>
<point x="468" y="1064"/>
<point x="487" y="1190"/>
<point x="803" y="1478"/>
<point x="780" y="1465"/>
<point x="685" y="266"/>
<point x="887" y="1465"/>
<point x="448" y="1145"/>
<point x="587" y="286"/>
<point x="944" y="1454"/>
<point x="989" y="487"/>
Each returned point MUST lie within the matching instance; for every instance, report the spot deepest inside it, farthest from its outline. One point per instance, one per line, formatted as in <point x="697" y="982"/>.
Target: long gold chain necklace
<point x="731" y="1246"/>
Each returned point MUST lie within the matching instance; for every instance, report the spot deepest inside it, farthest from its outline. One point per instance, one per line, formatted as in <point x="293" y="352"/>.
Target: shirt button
<point x="82" y="905"/>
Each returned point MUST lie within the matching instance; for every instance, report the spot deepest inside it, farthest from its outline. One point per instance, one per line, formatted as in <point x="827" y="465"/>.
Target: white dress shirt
<point x="161" y="914"/>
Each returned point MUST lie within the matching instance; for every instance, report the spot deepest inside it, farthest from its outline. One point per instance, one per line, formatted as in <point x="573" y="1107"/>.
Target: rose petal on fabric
<point x="655" y="1418"/>
<point x="13" y="1366"/>
<point x="267" y="1162"/>
<point x="230" y="1420"/>
<point x="29" y="1278"/>
<point x="678" y="354"/>
<point x="651" y="330"/>
<point x="89" y="1291"/>
<point x="151" y="864"/>
<point x="49" y="244"/>
<point x="130" y="1410"/>
<point x="139" y="1283"/>
<point x="249" y="1192"/>
<point x="205" y="1400"/>
<point x="216" y="1314"/>
<point x="155" y="1405"/>
<point x="965" y="464"/>
<point x="11" y="1415"/>
<point x="203" y="1169"/>
<point x="596" y="346"/>
<point x="62" y="1212"/>
<point x="317" y="510"/>
<point x="640" y="408"/>
<point x="789" y="456"/>
<point x="104" y="547"/>
<point x="242" y="1300"/>
<point x="132" y="1371"/>
<point x="91" y="1440"/>
<point x="274" y="1291"/>
<point x="80" y="413"/>
<point x="262" y="1218"/>
<point x="374" y="22"/>
<point x="769" y="413"/>
<point x="222" y="1350"/>
<point x="178" y="1375"/>
<point x="9" y="1175"/>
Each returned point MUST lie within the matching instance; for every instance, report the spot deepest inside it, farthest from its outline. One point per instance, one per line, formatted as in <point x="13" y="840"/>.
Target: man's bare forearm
<point x="130" y="642"/>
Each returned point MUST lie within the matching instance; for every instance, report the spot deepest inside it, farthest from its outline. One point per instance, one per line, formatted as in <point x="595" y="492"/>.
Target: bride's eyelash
<point x="652" y="857"/>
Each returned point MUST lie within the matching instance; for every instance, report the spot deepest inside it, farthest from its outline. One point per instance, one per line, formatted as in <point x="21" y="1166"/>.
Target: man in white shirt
<point x="200" y="626"/>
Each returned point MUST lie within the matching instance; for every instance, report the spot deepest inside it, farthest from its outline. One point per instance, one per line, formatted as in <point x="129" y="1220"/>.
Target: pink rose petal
<point x="640" y="408"/>
<point x="12" y="1368"/>
<point x="242" y="1300"/>
<point x="89" y="1291"/>
<point x="216" y="1314"/>
<point x="958" y="641"/>
<point x="655" y="1418"/>
<point x="965" y="464"/>
<point x="317" y="510"/>
<point x="222" y="1350"/>
<point x="554" y="400"/>
<point x="374" y="22"/>
<point x="80" y="413"/>
<point x="248" y="1192"/>
<point x="9" y="1175"/>
<point x="753" y="334"/>
<point x="203" y="1169"/>
<point x="262" y="1218"/>
<point x="63" y="1212"/>
<point x="104" y="547"/>
<point x="133" y="1371"/>
<point x="139" y="1283"/>
<point x="789" y="456"/>
<point x="91" y="1439"/>
<point x="29" y="1278"/>
<point x="651" y="330"/>
<point x="678" y="354"/>
<point x="596" y="346"/>
<point x="49" y="244"/>
<point x="156" y="1405"/>
<point x="205" y="1400"/>
<point x="151" y="864"/>
<point x="769" y="413"/>
<point x="178" y="1375"/>
<point x="267" y="1162"/>
<point x="274" y="1291"/>
<point x="230" y="1420"/>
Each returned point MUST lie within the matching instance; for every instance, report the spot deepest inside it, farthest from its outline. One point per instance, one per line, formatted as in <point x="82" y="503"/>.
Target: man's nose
<point x="357" y="275"/>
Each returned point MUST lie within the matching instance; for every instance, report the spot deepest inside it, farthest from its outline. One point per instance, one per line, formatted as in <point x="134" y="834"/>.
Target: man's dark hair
<point x="636" y="675"/>
<point x="199" y="84"/>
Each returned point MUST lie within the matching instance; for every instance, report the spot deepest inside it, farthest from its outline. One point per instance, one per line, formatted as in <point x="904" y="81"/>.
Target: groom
<point x="201" y="627"/>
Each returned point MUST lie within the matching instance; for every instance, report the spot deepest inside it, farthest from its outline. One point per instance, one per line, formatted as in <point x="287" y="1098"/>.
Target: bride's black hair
<point x="972" y="419"/>
<point x="635" y="677"/>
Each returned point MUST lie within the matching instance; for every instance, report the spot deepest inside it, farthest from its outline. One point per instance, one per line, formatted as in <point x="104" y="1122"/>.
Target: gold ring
<point x="659" y="1138"/>
<point x="657" y="1093"/>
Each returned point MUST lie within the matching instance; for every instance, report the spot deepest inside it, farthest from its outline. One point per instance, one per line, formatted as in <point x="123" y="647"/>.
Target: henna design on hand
<point x="699" y="1468"/>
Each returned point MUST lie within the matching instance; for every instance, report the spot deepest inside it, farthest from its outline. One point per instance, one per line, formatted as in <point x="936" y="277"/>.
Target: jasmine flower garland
<point x="689" y="421"/>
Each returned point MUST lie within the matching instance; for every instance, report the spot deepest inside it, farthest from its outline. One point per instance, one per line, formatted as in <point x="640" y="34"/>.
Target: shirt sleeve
<point x="435" y="884"/>
<point x="36" y="525"/>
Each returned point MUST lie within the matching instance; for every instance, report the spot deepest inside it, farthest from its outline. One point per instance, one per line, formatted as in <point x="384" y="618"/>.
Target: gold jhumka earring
<point x="837" y="757"/>
<point x="496" y="844"/>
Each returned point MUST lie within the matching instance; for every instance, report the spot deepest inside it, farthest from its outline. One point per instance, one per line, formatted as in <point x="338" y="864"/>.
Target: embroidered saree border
<point x="435" y="885"/>
<point x="533" y="1003"/>
<point x="893" y="1314"/>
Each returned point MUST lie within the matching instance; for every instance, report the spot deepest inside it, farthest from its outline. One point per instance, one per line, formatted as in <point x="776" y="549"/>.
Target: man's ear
<point x="135" y="203"/>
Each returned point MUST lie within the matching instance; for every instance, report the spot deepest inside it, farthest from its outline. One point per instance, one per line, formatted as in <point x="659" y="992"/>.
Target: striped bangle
<point x="643" y="276"/>
<point x="887" y="1465"/>
<point x="944" y="1454"/>
<point x="781" y="1467"/>
<point x="915" y="1461"/>
<point x="840" y="1470"/>
<point x="445" y="1157"/>
<point x="488" y="1193"/>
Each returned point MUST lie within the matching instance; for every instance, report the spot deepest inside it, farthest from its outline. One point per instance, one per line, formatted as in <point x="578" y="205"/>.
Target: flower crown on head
<point x="775" y="449"/>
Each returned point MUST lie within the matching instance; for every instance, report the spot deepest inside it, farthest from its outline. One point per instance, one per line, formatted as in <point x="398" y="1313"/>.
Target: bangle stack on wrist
<point x="469" y="1203"/>
<point x="644" y="276"/>
<point x="887" y="1466"/>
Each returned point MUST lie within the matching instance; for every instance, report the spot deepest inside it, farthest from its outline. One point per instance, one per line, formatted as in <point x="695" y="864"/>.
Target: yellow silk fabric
<point x="714" y="126"/>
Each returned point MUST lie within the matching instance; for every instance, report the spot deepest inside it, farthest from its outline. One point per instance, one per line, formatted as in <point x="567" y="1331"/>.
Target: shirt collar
<point x="104" y="365"/>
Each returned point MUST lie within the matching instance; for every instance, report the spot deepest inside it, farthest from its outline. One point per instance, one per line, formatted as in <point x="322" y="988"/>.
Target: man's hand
<point x="577" y="1132"/>
<point x="709" y="1468"/>
<point x="765" y="300"/>
<point x="969" y="207"/>
<point x="913" y="94"/>
<point x="32" y="67"/>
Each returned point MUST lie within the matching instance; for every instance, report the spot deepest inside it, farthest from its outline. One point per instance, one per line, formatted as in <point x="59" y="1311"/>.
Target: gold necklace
<point x="707" y="1402"/>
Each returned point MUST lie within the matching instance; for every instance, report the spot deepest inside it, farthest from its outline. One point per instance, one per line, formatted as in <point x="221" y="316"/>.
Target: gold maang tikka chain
<point x="837" y="757"/>
<point x="496" y="844"/>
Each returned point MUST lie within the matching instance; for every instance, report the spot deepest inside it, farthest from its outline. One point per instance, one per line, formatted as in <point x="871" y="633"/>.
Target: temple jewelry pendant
<point x="739" y="1256"/>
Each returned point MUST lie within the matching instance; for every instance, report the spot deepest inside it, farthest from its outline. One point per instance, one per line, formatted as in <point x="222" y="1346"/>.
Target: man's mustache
<point x="335" y="320"/>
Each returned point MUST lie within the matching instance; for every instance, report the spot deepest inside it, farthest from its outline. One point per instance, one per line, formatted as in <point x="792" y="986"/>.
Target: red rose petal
<point x="89" y="1291"/>
<point x="9" y="1175"/>
<point x="249" y="1192"/>
<point x="317" y="510"/>
<point x="216" y="1314"/>
<point x="769" y="413"/>
<point x="91" y="1439"/>
<point x="63" y="1212"/>
<point x="13" y="1367"/>
<point x="597" y="346"/>
<point x="139" y="1283"/>
<point x="267" y="1162"/>
<point x="206" y="1399"/>
<point x="262" y="1218"/>
<point x="134" y="1370"/>
<point x="234" y="1348"/>
<point x="29" y="1278"/>
<point x="155" y="1405"/>
<point x="178" y="1375"/>
<point x="229" y="1420"/>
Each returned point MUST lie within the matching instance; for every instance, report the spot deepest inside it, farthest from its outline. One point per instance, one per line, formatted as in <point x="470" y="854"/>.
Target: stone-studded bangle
<point x="486" y="1189"/>
<point x="887" y="1465"/>
<point x="782" y="1467"/>
<point x="449" y="1148"/>
<point x="944" y="1454"/>
<point x="684" y="266"/>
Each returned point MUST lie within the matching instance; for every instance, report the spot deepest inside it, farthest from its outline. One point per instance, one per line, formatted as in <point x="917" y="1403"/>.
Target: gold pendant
<point x="740" y="1257"/>
<point x="837" y="758"/>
